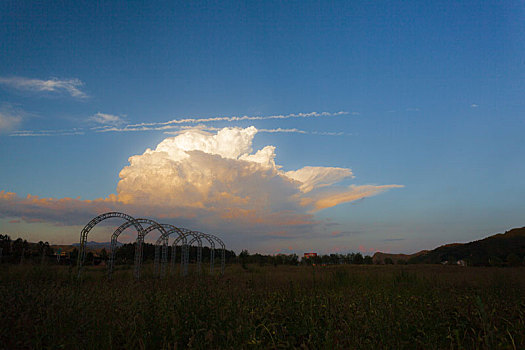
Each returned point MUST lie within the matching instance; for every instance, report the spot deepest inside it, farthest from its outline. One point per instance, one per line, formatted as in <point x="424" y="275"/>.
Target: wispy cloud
<point x="69" y="86"/>
<point x="203" y="127"/>
<point x="9" y="121"/>
<point x="474" y="105"/>
<point x="113" y="123"/>
<point x="36" y="133"/>
<point x="279" y="130"/>
<point x="242" y="118"/>
<point x="298" y="131"/>
<point x="177" y="123"/>
<point x="107" y="119"/>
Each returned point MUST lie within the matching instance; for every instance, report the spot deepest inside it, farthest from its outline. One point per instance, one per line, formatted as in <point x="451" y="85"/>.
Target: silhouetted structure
<point x="161" y="245"/>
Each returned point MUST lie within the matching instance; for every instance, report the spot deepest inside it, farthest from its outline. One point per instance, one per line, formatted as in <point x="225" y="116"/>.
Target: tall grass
<point x="420" y="307"/>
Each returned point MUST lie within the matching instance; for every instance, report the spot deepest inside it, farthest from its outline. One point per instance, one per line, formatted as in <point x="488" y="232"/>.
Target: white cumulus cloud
<point x="311" y="177"/>
<point x="210" y="181"/>
<point x="221" y="174"/>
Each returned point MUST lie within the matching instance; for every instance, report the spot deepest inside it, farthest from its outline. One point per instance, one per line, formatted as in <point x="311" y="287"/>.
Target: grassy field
<point x="364" y="307"/>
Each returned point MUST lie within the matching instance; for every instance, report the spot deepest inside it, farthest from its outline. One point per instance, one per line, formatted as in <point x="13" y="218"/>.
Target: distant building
<point x="309" y="255"/>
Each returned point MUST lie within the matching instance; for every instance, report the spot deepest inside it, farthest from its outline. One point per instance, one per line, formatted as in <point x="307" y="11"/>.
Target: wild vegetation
<point x="254" y="306"/>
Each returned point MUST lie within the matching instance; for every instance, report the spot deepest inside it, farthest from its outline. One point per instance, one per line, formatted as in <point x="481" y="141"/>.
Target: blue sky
<point x="432" y="94"/>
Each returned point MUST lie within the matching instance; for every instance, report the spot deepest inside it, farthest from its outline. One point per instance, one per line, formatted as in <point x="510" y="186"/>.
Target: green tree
<point x="90" y="258"/>
<point x="293" y="259"/>
<point x="389" y="261"/>
<point x="73" y="256"/>
<point x="243" y="257"/>
<point x="20" y="250"/>
<point x="103" y="254"/>
<point x="5" y="244"/>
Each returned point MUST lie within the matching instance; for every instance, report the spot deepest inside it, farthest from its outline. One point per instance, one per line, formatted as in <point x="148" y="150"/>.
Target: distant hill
<point x="379" y="258"/>
<point x="63" y="247"/>
<point x="502" y="248"/>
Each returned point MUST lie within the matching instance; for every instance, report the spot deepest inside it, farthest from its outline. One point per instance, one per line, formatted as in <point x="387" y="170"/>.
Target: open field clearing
<point x="430" y="307"/>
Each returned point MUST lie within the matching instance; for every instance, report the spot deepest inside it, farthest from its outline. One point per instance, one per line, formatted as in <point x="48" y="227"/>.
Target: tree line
<point x="21" y="251"/>
<point x="292" y="259"/>
<point x="18" y="250"/>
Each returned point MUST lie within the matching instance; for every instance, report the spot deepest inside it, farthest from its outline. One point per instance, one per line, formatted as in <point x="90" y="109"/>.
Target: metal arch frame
<point x="223" y="251"/>
<point x="163" y="240"/>
<point x="174" y="253"/>
<point x="185" y="251"/>
<point x="162" y="231"/>
<point x="210" y="239"/>
<point x="181" y="236"/>
<point x="85" y="231"/>
<point x="197" y="238"/>
<point x="138" y="247"/>
<point x="212" y="247"/>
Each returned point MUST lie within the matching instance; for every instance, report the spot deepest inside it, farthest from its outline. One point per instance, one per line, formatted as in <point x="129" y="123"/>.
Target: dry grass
<point x="421" y="307"/>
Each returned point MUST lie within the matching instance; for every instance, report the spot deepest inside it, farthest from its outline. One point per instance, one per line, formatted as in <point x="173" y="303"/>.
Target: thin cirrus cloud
<point x="212" y="180"/>
<point x="53" y="85"/>
<point x="113" y="123"/>
<point x="177" y="123"/>
<point x="202" y="127"/>
<point x="47" y="133"/>
<point x="106" y="119"/>
<point x="9" y="121"/>
<point x="245" y="117"/>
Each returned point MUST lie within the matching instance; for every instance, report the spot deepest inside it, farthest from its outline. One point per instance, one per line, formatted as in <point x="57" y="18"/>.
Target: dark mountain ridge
<point x="500" y="249"/>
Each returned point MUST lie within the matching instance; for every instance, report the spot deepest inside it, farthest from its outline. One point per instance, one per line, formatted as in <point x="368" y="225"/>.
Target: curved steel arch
<point x="223" y="251"/>
<point x="85" y="231"/>
<point x="212" y="248"/>
<point x="181" y="236"/>
<point x="162" y="231"/>
<point x="185" y="250"/>
<point x="140" y="240"/>
<point x="163" y="241"/>
<point x="197" y="238"/>
<point x="166" y="230"/>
